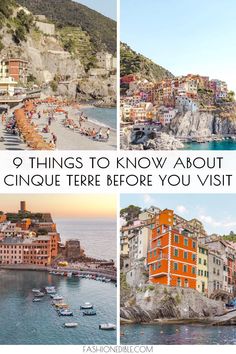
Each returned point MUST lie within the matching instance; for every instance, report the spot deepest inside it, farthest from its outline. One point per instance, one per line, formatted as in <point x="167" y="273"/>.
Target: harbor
<point x="39" y="322"/>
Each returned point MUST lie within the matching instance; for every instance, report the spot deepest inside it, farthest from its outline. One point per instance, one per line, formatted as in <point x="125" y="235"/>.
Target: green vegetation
<point x="230" y="237"/>
<point x="150" y="287"/>
<point x="123" y="284"/>
<point x="78" y="43"/>
<point x="101" y="29"/>
<point x="23" y="24"/>
<point x="134" y="63"/>
<point x="54" y="85"/>
<point x="130" y="213"/>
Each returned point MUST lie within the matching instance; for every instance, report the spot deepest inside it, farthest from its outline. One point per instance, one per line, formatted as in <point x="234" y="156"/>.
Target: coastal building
<point x="7" y="86"/>
<point x="72" y="250"/>
<point x="105" y="61"/>
<point x="202" y="269"/>
<point x="3" y="69"/>
<point x="172" y="254"/>
<point x="215" y="272"/>
<point x="17" y="69"/>
<point x="33" y="250"/>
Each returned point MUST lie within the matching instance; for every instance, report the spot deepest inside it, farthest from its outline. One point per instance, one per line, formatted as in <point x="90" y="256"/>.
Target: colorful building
<point x="18" y="69"/>
<point x="202" y="269"/>
<point x="172" y="255"/>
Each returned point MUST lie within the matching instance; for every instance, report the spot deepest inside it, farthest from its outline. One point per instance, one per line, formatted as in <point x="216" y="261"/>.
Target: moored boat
<point x="35" y="290"/>
<point x="86" y="306"/>
<point x="107" y="326"/>
<point x="37" y="299"/>
<point x="89" y="313"/>
<point x="39" y="294"/>
<point x="70" y="324"/>
<point x="57" y="297"/>
<point x="65" y="312"/>
<point x="50" y="289"/>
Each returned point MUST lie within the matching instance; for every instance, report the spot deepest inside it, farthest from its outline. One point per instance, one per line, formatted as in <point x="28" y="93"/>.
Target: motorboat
<point x="69" y="274"/>
<point x="50" y="289"/>
<point x="89" y="313"/>
<point x="35" y="290"/>
<point x="86" y="306"/>
<point x="39" y="294"/>
<point x="70" y="324"/>
<point x="107" y="326"/>
<point x="37" y="299"/>
<point x="60" y="306"/>
<point x="57" y="297"/>
<point x="65" y="312"/>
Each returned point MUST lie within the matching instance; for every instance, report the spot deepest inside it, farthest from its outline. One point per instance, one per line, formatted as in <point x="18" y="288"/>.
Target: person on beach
<point x="49" y="120"/>
<point x="108" y="133"/>
<point x="39" y="115"/>
<point x="3" y="118"/>
<point x="81" y="119"/>
<point x="100" y="134"/>
<point x="46" y="129"/>
<point x="54" y="138"/>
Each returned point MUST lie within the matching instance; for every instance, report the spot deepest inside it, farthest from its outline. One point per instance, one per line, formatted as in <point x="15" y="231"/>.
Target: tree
<point x="130" y="213"/>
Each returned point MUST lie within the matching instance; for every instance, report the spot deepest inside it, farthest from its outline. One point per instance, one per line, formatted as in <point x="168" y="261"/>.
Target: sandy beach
<point x="67" y="138"/>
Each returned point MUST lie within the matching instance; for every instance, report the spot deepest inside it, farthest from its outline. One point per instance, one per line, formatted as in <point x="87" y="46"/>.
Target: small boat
<point x="35" y="290"/>
<point x="50" y="289"/>
<point x="69" y="274"/>
<point x="37" y="299"/>
<point x="107" y="280"/>
<point x="107" y="326"/>
<point x="57" y="297"/>
<point x="70" y="324"/>
<point x="60" y="306"/>
<point x="39" y="294"/>
<point x="89" y="313"/>
<point x="86" y="306"/>
<point x="65" y="313"/>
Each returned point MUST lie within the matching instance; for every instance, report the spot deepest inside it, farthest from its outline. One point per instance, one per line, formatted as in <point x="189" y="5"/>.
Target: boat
<point x="70" y="324"/>
<point x="35" y="290"/>
<point x="69" y="274"/>
<point x="50" y="289"/>
<point x="65" y="312"/>
<point x="60" y="306"/>
<point x="37" y="299"/>
<point x="107" y="326"/>
<point x="57" y="297"/>
<point x="39" y="294"/>
<point x="89" y="313"/>
<point x="86" y="306"/>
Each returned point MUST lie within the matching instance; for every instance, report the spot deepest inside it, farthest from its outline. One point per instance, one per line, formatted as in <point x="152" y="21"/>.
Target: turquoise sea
<point x="213" y="145"/>
<point x="102" y="116"/>
<point x="177" y="334"/>
<point x="25" y="322"/>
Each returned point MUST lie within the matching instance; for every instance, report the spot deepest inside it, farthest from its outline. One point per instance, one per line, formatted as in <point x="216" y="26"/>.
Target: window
<point x="179" y="282"/>
<point x="193" y="270"/>
<point x="176" y="239"/>
<point x="185" y="242"/>
<point x="185" y="255"/>
<point x="155" y="252"/>
<point x="199" y="260"/>
<point x="194" y="257"/>
<point x="175" y="266"/>
<point x="176" y="252"/>
<point x="159" y="243"/>
<point x="185" y="268"/>
<point x="204" y="262"/>
<point x="150" y="253"/>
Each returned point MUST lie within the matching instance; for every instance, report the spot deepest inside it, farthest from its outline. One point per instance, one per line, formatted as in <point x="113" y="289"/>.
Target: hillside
<point x="101" y="29"/>
<point x="134" y="63"/>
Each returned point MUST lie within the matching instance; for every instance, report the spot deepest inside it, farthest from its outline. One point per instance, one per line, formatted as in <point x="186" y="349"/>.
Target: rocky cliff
<point x="202" y="124"/>
<point x="51" y="65"/>
<point x="155" y="302"/>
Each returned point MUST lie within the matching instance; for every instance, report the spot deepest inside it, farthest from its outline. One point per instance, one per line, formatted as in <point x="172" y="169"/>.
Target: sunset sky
<point x="63" y="205"/>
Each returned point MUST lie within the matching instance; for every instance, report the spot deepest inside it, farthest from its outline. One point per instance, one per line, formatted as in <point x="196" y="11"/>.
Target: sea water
<point x="25" y="322"/>
<point x="154" y="334"/>
<point x="97" y="236"/>
<point x="102" y="116"/>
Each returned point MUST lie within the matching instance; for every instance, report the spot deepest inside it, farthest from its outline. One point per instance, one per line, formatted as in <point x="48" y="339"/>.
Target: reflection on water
<point x="177" y="334"/>
<point x="25" y="322"/>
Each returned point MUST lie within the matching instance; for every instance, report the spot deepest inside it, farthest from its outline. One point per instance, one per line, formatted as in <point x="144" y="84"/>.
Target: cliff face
<point x="150" y="303"/>
<point x="201" y="124"/>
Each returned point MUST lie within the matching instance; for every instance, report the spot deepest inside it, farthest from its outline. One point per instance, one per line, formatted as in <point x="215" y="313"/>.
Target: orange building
<point x="172" y="254"/>
<point x="18" y="69"/>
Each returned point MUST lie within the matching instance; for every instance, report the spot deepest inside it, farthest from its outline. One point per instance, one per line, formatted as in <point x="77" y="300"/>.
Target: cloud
<point x="148" y="200"/>
<point x="181" y="209"/>
<point x="210" y="221"/>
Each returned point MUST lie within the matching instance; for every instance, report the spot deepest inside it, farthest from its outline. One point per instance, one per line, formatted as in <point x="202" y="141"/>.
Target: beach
<point x="67" y="138"/>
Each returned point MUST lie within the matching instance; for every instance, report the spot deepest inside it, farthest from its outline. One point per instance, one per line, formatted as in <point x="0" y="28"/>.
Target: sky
<point x="63" y="205"/>
<point x="186" y="36"/>
<point x="105" y="7"/>
<point x="217" y="212"/>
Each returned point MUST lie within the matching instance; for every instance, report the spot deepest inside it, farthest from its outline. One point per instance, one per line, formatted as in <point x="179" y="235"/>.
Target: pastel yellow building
<point x="202" y="269"/>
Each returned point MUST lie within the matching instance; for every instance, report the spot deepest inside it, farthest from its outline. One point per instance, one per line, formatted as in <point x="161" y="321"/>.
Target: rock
<point x="164" y="142"/>
<point x="164" y="302"/>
